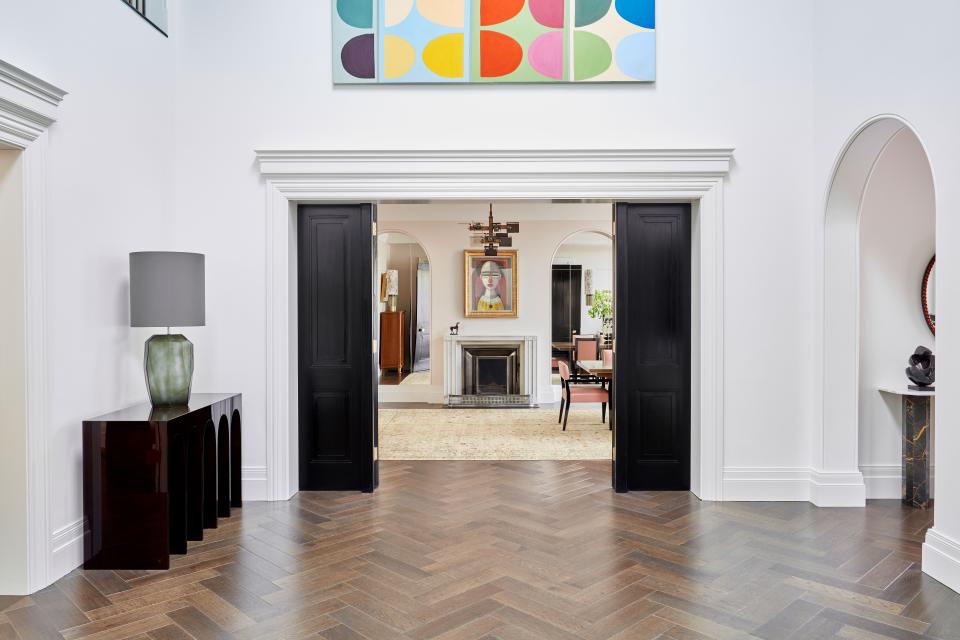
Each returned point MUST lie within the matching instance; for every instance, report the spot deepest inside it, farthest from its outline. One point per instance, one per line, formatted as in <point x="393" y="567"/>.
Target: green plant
<point x="602" y="307"/>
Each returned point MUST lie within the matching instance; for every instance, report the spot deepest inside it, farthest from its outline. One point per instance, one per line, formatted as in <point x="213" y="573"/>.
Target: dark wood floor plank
<point x="341" y="632"/>
<point x="7" y="632"/>
<point x="198" y="625"/>
<point x="169" y="632"/>
<point x="788" y="621"/>
<point x="516" y="550"/>
<point x="32" y="623"/>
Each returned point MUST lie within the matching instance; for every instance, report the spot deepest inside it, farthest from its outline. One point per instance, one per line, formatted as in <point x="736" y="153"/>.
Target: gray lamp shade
<point x="166" y="289"/>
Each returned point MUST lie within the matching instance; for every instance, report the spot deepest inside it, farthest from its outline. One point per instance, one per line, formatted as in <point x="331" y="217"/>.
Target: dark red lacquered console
<point x="156" y="477"/>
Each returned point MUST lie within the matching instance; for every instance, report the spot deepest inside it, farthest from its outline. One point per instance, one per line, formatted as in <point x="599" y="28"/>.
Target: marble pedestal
<point x="917" y="425"/>
<point x="916" y="451"/>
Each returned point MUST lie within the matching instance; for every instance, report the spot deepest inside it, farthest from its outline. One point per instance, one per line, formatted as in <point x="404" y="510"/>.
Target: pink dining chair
<point x="585" y="348"/>
<point x="571" y="392"/>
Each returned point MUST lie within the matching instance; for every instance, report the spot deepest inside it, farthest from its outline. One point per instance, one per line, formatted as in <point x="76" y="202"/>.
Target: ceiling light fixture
<point x="494" y="235"/>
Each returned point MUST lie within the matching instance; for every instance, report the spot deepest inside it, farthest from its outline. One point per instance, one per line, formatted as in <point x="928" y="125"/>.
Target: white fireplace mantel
<point x="453" y="361"/>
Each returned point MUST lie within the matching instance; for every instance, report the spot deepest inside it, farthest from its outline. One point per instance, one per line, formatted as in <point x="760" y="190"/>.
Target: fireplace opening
<point x="491" y="371"/>
<point x="492" y="375"/>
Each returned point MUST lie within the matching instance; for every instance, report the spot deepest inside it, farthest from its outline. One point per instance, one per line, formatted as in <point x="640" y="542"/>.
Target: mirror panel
<point x="928" y="295"/>
<point x="405" y="287"/>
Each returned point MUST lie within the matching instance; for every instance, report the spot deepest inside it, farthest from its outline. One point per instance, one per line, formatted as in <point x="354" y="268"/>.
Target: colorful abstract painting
<point x="519" y="41"/>
<point x="354" y="41"/>
<point x="614" y="41"/>
<point x="422" y="40"/>
<point x="486" y="41"/>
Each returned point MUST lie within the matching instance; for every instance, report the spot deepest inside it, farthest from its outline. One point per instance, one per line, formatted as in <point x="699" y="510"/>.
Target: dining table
<point x="596" y="368"/>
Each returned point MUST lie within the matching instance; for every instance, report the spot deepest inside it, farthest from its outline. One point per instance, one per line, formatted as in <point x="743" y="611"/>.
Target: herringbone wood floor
<point x="516" y="550"/>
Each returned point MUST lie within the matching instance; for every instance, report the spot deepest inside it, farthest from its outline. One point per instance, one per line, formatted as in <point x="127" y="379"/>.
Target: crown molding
<point x="21" y="124"/>
<point x="28" y="105"/>
<point x="361" y="163"/>
<point x="28" y="83"/>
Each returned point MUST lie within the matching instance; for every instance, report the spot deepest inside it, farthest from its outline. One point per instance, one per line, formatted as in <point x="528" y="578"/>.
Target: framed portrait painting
<point x="490" y="284"/>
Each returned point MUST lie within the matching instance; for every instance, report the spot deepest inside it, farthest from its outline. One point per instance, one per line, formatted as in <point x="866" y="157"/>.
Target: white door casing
<point x="317" y="176"/>
<point x="28" y="107"/>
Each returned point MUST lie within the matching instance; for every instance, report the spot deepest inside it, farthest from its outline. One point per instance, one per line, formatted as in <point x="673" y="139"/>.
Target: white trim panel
<point x="941" y="558"/>
<point x="793" y="484"/>
<point x="253" y="483"/>
<point x="28" y="106"/>
<point x="837" y="489"/>
<point x="66" y="549"/>
<point x="882" y="481"/>
<point x="766" y="484"/>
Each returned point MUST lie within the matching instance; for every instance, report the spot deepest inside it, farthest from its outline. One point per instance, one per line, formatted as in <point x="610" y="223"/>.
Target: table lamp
<point x="167" y="290"/>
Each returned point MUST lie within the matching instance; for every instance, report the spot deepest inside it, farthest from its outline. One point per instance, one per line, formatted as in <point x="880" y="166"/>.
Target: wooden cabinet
<point x="392" y="332"/>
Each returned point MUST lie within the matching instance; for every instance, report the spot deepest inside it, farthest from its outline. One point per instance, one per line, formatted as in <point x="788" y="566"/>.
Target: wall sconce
<point x="588" y="285"/>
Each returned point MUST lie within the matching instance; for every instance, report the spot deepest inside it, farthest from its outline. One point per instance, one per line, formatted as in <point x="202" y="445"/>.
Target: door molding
<point x="631" y="175"/>
<point x="28" y="107"/>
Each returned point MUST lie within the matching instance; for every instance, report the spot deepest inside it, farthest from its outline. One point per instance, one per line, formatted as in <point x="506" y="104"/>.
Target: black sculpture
<point x="455" y="329"/>
<point x="922" y="369"/>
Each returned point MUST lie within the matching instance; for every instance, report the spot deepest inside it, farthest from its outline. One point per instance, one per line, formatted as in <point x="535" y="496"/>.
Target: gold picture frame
<point x="490" y="290"/>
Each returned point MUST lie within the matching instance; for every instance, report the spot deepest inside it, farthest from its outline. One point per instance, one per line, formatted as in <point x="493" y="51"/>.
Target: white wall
<point x="897" y="240"/>
<point x="599" y="259"/>
<point x="441" y="230"/>
<point x="860" y="72"/>
<point x="127" y="173"/>
<point x="257" y="75"/>
<point x="109" y="192"/>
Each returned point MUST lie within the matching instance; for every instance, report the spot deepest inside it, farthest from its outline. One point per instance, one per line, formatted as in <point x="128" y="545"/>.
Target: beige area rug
<point x="417" y="377"/>
<point x="492" y="434"/>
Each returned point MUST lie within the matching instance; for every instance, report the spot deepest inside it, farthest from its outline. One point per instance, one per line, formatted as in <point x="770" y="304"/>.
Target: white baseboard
<point x="766" y="484"/>
<point x="882" y="481"/>
<point x="66" y="550"/>
<point x="253" y="483"/>
<point x="941" y="558"/>
<point x="793" y="484"/>
<point x="837" y="489"/>
<point x="66" y="543"/>
<point x="410" y="393"/>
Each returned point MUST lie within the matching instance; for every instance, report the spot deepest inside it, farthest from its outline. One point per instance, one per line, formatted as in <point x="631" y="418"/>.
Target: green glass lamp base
<point x="168" y="365"/>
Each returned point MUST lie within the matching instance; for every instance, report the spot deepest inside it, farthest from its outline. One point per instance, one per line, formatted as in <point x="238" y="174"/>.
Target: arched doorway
<point x="837" y="479"/>
<point x="581" y="294"/>
<point x="405" y="309"/>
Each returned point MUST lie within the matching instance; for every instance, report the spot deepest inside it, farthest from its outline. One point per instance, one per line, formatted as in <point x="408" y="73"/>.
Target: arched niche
<point x="836" y="477"/>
